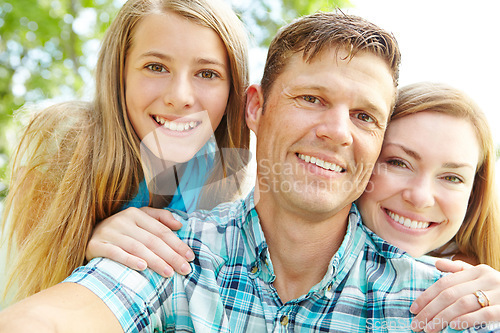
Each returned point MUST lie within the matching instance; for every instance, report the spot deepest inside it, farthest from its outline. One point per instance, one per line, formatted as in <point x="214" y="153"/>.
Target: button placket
<point x="328" y="291"/>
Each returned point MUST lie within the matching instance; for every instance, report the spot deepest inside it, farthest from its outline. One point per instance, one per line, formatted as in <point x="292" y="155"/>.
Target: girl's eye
<point x="365" y="117"/>
<point x="453" y="179"/>
<point x="311" y="99"/>
<point x="208" y="75"/>
<point x="397" y="163"/>
<point x="156" y="68"/>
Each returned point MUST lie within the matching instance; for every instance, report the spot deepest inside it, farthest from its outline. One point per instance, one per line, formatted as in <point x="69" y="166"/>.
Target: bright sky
<point x="452" y="41"/>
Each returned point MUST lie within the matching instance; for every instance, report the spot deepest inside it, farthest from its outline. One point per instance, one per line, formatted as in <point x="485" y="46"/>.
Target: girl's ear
<point x="253" y="111"/>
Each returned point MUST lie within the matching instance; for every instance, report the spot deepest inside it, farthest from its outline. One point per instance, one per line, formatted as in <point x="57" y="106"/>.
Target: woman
<point x="168" y="70"/>
<point x="433" y="191"/>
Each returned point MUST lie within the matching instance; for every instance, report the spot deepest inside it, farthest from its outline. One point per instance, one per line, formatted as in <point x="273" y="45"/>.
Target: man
<point x="293" y="255"/>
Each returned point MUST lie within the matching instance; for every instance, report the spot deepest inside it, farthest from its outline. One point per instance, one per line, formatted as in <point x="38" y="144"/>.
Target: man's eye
<point x="310" y="99"/>
<point x="364" y="117"/>
<point x="156" y="68"/>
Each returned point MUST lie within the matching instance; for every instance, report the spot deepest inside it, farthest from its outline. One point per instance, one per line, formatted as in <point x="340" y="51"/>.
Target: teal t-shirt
<point x="188" y="191"/>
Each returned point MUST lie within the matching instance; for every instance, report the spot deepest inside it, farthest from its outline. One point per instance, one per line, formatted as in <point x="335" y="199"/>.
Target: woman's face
<point x="177" y="83"/>
<point x="418" y="194"/>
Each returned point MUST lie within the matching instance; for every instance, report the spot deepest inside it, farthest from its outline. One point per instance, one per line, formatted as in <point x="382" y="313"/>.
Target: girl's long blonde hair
<point x="77" y="163"/>
<point x="478" y="236"/>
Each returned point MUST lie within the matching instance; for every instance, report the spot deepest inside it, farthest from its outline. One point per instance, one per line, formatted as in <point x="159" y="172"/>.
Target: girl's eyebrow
<point x="200" y="60"/>
<point x="155" y="54"/>
<point x="210" y="61"/>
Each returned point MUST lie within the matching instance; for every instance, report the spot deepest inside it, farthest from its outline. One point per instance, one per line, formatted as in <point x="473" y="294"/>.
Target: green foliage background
<point x="46" y="54"/>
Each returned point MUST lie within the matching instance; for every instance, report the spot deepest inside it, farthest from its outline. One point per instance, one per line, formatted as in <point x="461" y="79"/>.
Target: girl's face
<point x="418" y="194"/>
<point x="177" y="83"/>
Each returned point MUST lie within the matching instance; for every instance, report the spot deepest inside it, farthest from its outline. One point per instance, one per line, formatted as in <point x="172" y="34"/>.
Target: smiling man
<point x="293" y="255"/>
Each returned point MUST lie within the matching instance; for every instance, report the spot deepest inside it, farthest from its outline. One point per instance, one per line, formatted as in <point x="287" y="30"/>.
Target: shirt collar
<point x="260" y="264"/>
<point x="382" y="247"/>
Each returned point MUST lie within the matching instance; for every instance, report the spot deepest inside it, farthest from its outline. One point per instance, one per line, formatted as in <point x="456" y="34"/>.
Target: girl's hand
<point x="139" y="238"/>
<point x="451" y="300"/>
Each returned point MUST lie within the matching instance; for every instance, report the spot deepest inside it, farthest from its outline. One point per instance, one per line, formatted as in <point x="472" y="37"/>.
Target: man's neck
<point x="300" y="248"/>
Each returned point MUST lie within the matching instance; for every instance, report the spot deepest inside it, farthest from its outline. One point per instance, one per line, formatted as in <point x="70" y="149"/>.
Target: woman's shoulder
<point x="468" y="259"/>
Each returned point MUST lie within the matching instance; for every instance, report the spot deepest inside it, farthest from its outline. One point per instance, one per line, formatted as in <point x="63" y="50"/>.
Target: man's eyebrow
<point x="366" y="103"/>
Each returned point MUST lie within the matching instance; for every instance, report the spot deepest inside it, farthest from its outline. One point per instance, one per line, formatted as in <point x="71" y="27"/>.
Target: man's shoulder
<point x="379" y="251"/>
<point x="390" y="266"/>
<point x="219" y="216"/>
<point x="401" y="263"/>
<point x="215" y="234"/>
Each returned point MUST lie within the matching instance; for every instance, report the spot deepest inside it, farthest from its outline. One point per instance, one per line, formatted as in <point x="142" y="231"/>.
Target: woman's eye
<point x="453" y="179"/>
<point x="156" y="68"/>
<point x="311" y="99"/>
<point x="208" y="74"/>
<point x="365" y="117"/>
<point x="397" y="163"/>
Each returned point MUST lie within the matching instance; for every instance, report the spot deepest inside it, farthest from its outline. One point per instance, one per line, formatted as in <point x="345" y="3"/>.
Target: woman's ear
<point x="253" y="111"/>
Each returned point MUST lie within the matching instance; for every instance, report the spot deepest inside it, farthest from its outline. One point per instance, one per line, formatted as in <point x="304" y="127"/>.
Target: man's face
<point x="321" y="131"/>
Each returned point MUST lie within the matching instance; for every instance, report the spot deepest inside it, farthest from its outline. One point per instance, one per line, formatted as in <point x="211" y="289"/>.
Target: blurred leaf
<point x="263" y="18"/>
<point x="41" y="56"/>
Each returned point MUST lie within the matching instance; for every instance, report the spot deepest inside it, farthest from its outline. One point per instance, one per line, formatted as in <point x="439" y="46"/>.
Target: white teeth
<point x="320" y="163"/>
<point x="407" y="222"/>
<point x="159" y="120"/>
<point x="176" y="126"/>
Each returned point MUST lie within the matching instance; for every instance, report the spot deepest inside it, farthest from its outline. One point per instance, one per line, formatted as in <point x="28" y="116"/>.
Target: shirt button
<point x="284" y="320"/>
<point x="255" y="269"/>
<point x="328" y="291"/>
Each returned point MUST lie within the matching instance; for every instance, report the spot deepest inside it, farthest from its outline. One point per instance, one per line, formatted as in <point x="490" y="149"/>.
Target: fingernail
<point x="185" y="268"/>
<point x="414" y="308"/>
<point x="168" y="272"/>
<point x="189" y="255"/>
<point x="141" y="265"/>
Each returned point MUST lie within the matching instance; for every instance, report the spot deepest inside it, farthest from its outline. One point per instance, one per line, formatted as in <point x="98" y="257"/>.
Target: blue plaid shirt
<point x="369" y="285"/>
